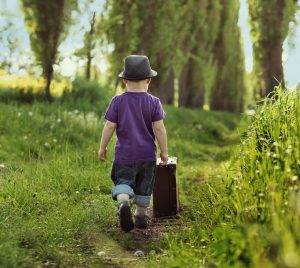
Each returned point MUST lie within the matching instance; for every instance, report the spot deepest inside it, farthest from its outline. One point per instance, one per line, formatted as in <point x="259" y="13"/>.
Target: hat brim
<point x="122" y="75"/>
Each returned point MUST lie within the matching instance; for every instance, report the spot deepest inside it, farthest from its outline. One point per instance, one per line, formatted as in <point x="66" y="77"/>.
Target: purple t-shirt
<point x="134" y="112"/>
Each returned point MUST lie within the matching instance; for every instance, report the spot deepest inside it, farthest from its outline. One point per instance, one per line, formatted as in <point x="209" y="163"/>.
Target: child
<point x="138" y="118"/>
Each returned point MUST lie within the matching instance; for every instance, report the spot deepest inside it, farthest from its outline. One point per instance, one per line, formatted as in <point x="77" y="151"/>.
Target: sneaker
<point x="140" y="222"/>
<point x="125" y="216"/>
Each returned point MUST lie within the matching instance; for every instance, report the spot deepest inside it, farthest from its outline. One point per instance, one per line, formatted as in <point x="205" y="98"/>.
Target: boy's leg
<point x="143" y="191"/>
<point x="140" y="211"/>
<point x="123" y="197"/>
<point x="123" y="177"/>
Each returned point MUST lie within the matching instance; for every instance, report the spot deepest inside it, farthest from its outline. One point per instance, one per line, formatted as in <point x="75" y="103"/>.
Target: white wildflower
<point x="101" y="254"/>
<point x="58" y="120"/>
<point x="199" y="127"/>
<point x="294" y="178"/>
<point x="30" y="113"/>
<point x="138" y="253"/>
<point x="2" y="165"/>
<point x="288" y="151"/>
<point x="19" y="114"/>
<point x="47" y="144"/>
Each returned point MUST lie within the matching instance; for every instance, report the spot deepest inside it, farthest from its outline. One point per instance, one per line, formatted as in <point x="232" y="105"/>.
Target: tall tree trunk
<point x="88" y="66"/>
<point x="166" y="89"/>
<point x="48" y="77"/>
<point x="90" y="47"/>
<point x="184" y="78"/>
<point x="191" y="91"/>
<point x="163" y="88"/>
<point x="217" y="100"/>
<point x="272" y="65"/>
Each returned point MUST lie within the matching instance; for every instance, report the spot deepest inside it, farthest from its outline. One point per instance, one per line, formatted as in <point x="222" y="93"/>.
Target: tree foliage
<point x="185" y="40"/>
<point x="198" y="31"/>
<point x="144" y="27"/>
<point x="47" y="23"/>
<point x="269" y="21"/>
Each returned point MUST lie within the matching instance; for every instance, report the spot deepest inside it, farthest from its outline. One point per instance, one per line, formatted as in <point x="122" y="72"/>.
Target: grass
<point x="55" y="197"/>
<point x="247" y="213"/>
<point x="240" y="200"/>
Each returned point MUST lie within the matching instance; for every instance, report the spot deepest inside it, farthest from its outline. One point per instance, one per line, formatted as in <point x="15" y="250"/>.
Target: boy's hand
<point x="102" y="154"/>
<point x="164" y="158"/>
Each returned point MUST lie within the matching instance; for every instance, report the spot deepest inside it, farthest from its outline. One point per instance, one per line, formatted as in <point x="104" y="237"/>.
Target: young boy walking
<point x="137" y="118"/>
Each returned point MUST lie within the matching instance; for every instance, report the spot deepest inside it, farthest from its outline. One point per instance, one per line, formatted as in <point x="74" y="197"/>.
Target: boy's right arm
<point x="161" y="136"/>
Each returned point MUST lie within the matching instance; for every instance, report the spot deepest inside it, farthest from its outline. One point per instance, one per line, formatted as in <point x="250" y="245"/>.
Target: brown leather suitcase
<point x="165" y="191"/>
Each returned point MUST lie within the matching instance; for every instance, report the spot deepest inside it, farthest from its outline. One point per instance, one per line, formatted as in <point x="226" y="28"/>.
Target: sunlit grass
<point x="27" y="84"/>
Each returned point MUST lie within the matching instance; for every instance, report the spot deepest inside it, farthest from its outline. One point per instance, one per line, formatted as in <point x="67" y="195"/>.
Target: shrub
<point x="87" y="95"/>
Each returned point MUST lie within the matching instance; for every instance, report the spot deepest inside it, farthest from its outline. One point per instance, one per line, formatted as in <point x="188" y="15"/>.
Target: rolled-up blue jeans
<point x="135" y="179"/>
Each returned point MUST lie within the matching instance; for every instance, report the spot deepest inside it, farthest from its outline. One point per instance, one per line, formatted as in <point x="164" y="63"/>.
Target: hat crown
<point x="137" y="67"/>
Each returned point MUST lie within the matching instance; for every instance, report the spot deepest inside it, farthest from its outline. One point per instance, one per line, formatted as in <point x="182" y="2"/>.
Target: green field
<point x="240" y="202"/>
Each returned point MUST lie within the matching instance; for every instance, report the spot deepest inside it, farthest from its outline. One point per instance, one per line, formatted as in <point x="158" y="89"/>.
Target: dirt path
<point x="118" y="249"/>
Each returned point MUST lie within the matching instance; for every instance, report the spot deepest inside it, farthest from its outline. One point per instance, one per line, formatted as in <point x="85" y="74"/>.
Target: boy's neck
<point x="136" y="90"/>
<point x="137" y="86"/>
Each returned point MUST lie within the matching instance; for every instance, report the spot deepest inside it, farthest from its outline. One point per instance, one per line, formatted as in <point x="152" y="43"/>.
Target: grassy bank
<point x="247" y="213"/>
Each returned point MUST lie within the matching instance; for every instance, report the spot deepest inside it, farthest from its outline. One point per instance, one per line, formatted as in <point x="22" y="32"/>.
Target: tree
<point x="89" y="45"/>
<point x="196" y="67"/>
<point x="144" y="27"/>
<point x="47" y="23"/>
<point x="269" y="22"/>
<point x="229" y="88"/>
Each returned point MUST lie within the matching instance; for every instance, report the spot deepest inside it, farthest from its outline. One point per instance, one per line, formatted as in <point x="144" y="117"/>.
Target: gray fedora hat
<point x="137" y="67"/>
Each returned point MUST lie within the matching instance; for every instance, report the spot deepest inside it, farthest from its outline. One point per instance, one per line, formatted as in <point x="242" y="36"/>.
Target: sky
<point x="69" y="64"/>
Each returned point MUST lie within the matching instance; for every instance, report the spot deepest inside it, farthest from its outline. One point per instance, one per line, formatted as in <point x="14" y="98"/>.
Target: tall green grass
<point x="248" y="213"/>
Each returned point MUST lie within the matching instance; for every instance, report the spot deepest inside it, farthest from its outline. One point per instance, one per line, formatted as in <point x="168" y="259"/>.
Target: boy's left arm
<point x="108" y="131"/>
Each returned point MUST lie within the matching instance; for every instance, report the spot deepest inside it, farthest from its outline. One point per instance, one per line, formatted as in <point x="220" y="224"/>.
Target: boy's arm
<point x="107" y="133"/>
<point x="161" y="136"/>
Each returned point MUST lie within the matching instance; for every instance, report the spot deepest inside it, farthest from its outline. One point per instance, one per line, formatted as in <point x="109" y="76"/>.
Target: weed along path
<point x="55" y="197"/>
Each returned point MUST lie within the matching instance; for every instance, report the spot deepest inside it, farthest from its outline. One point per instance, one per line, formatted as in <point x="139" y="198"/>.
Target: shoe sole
<point x="126" y="219"/>
<point x="140" y="225"/>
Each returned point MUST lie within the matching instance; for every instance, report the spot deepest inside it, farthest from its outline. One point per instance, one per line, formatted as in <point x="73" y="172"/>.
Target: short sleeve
<point x="111" y="113"/>
<point x="158" y="112"/>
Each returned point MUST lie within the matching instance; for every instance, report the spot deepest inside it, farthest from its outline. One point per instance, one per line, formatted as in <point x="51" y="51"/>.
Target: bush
<point x="87" y="95"/>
